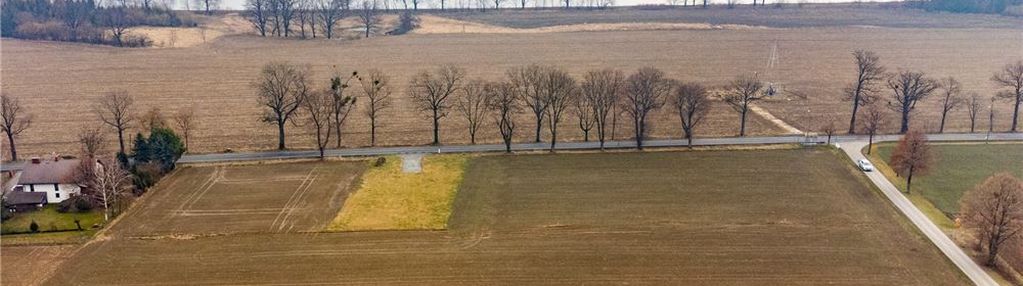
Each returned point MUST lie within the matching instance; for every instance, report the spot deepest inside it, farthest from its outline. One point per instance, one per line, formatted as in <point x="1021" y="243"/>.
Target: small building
<point x="18" y="201"/>
<point x="53" y="177"/>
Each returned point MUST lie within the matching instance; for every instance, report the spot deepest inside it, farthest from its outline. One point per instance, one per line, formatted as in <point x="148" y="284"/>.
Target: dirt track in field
<point x="665" y="217"/>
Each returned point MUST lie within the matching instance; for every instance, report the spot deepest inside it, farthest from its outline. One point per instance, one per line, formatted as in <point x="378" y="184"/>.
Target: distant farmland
<point x="658" y="218"/>
<point x="812" y="66"/>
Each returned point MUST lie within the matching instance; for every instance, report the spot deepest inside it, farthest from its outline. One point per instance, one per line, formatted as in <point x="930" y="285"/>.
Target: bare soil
<point x="657" y="218"/>
<point x="217" y="200"/>
<point x="59" y="82"/>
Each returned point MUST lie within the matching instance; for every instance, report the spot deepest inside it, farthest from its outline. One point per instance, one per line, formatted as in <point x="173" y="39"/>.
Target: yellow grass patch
<point x="389" y="199"/>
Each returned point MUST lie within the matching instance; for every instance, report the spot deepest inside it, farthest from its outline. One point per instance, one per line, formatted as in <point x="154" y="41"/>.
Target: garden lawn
<point x="54" y="227"/>
<point x="389" y="199"/>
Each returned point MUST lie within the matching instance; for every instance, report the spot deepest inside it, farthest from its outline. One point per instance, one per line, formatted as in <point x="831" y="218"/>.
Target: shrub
<point x="33" y="227"/>
<point x="407" y="22"/>
<point x="75" y="204"/>
<point x="380" y="162"/>
<point x="146" y="175"/>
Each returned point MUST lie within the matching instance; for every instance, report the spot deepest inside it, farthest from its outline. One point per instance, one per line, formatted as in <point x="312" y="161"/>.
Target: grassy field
<point x="389" y="199"/>
<point x="262" y="198"/>
<point x="54" y="227"/>
<point x="777" y="217"/>
<point x="958" y="168"/>
<point x="31" y="265"/>
<point x="813" y="64"/>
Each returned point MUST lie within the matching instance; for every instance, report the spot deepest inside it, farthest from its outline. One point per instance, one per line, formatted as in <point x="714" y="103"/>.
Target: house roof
<point x="49" y="172"/>
<point x="23" y="198"/>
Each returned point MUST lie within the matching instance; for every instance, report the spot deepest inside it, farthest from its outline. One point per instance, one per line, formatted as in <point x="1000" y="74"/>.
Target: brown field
<point x="31" y="265"/>
<point x="657" y="218"/>
<point x="813" y="64"/>
<point x="292" y="197"/>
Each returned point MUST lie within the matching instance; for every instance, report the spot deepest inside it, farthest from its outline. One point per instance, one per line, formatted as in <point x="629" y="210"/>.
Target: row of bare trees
<point x="277" y="17"/>
<point x="907" y="88"/>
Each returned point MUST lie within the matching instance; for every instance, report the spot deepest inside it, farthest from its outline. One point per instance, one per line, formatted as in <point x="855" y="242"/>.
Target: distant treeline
<point x="83" y="21"/>
<point x="968" y="6"/>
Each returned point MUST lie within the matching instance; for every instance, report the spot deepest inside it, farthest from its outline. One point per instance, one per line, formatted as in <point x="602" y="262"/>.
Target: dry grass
<point x="58" y="82"/>
<point x="31" y="265"/>
<point x="389" y="199"/>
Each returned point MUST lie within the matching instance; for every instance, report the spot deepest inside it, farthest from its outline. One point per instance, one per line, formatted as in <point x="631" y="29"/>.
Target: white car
<point x="865" y="165"/>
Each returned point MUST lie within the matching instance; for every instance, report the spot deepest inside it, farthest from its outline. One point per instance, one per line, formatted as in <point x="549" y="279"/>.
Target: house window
<point x="56" y="187"/>
<point x="31" y="188"/>
<point x="57" y="194"/>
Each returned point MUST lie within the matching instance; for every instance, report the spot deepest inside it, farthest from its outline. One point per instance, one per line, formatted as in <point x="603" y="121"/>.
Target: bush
<point x="33" y="227"/>
<point x="75" y="204"/>
<point x="380" y="162"/>
<point x="146" y="175"/>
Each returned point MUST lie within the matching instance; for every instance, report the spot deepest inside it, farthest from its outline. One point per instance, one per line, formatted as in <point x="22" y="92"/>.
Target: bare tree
<point x="318" y="108"/>
<point x="584" y="108"/>
<point x="369" y="17"/>
<point x="258" y="14"/>
<point x="14" y="121"/>
<point x="283" y="12"/>
<point x="330" y="12"/>
<point x="281" y="88"/>
<point x="742" y="92"/>
<point x="1011" y="77"/>
<point x="973" y="104"/>
<point x="994" y="211"/>
<point x="911" y="156"/>
<point x="645" y="91"/>
<point x="185" y="121"/>
<point x="908" y="88"/>
<point x="117" y="21"/>
<point x="432" y="91"/>
<point x="863" y="91"/>
<point x="341" y="105"/>
<point x="110" y="183"/>
<point x="504" y="104"/>
<point x="529" y="82"/>
<point x="152" y="119"/>
<point x="497" y="4"/>
<point x="559" y="90"/>
<point x="950" y="99"/>
<point x="208" y="6"/>
<point x="117" y="109"/>
<point x="473" y="103"/>
<point x="92" y="141"/>
<point x="377" y="89"/>
<point x="874" y="122"/>
<point x="603" y="88"/>
<point x="828" y="128"/>
<point x="692" y="103"/>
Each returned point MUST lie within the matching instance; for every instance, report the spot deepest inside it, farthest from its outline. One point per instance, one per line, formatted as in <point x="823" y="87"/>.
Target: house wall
<point x="54" y="195"/>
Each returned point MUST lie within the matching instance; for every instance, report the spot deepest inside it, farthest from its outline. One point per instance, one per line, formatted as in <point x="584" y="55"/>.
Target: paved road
<point x="850" y="144"/>
<point x="376" y="151"/>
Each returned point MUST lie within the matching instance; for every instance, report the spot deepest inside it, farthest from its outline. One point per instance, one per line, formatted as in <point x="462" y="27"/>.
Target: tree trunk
<point x="689" y="139"/>
<point x="639" y="133"/>
<point x="472" y="137"/>
<point x="554" y="138"/>
<point x="586" y="136"/>
<point x="120" y="138"/>
<point x="280" y="135"/>
<point x="539" y="125"/>
<point x="905" y="122"/>
<point x="941" y="127"/>
<point x="436" y="128"/>
<point x="870" y="142"/>
<point x="1015" y="115"/>
<point x="909" y="180"/>
<point x="372" y="131"/>
<point x="742" y="122"/>
<point x="973" y="124"/>
<point x="992" y="252"/>
<point x="856" y="107"/>
<point x="14" y="153"/>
